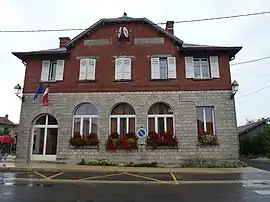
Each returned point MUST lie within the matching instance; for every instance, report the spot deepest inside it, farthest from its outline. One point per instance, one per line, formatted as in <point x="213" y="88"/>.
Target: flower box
<point x="127" y="142"/>
<point x="84" y="147"/>
<point x="207" y="139"/>
<point x="78" y="141"/>
<point x="163" y="140"/>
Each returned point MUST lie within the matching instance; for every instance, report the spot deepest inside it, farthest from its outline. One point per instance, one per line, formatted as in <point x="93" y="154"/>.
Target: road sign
<point x="141" y="133"/>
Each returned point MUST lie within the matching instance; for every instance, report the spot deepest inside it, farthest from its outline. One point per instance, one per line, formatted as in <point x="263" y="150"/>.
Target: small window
<point x="52" y="71"/>
<point x="163" y="68"/>
<point x="205" y="120"/>
<point x="201" y="68"/>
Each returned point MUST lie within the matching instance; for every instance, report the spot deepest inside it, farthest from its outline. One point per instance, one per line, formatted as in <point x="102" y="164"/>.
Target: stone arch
<point x="77" y="104"/>
<point x="161" y="99"/>
<point x="123" y="99"/>
<point x="85" y="103"/>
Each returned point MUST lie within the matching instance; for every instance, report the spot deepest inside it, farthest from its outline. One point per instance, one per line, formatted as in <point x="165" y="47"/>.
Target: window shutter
<point x="155" y="71"/>
<point x="83" y="69"/>
<point x="118" y="68"/>
<point x="189" y="67"/>
<point x="127" y="68"/>
<point x="45" y="70"/>
<point x="60" y="70"/>
<point x="214" y="66"/>
<point x="91" y="69"/>
<point x="171" y="67"/>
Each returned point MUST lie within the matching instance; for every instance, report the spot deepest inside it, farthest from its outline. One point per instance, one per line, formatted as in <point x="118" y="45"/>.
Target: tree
<point x="5" y="131"/>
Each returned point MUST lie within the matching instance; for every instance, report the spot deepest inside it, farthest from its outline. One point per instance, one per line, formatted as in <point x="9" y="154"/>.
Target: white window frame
<point x="164" y="116"/>
<point x="46" y="127"/>
<point x="90" y="117"/>
<point x="204" y="118"/>
<point x="52" y="62"/>
<point x="200" y="62"/>
<point x="118" y="117"/>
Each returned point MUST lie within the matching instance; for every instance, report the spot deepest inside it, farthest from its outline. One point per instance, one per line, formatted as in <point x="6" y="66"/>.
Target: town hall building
<point x="119" y="76"/>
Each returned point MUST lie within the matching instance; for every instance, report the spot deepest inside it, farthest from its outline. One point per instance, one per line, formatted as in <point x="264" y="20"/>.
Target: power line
<point x="161" y="23"/>
<point x="250" y="61"/>
<point x="254" y="92"/>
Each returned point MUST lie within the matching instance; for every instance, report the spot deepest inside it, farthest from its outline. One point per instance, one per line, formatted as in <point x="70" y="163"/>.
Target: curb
<point x="100" y="169"/>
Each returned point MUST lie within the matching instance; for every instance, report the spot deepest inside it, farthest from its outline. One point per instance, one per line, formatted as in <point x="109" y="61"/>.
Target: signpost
<point x="141" y="134"/>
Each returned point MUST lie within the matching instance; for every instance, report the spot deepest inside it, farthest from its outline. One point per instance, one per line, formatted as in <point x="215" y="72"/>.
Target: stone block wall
<point x="183" y="104"/>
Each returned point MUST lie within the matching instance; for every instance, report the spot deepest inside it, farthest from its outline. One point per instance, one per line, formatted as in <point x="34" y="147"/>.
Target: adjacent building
<point x="117" y="76"/>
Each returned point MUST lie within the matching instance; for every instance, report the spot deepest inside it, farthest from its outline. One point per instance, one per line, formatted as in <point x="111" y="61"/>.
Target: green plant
<point x="78" y="141"/>
<point x="151" y="165"/>
<point x="200" y="163"/>
<point x="127" y="141"/>
<point x="5" y="131"/>
<point x="207" y="139"/>
<point x="82" y="162"/>
<point x="164" y="139"/>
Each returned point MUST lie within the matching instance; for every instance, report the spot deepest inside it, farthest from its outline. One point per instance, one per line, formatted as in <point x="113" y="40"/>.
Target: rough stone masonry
<point x="183" y="104"/>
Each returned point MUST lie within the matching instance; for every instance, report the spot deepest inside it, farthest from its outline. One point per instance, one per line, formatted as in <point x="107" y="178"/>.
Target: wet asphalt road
<point x="258" y="164"/>
<point x="50" y="192"/>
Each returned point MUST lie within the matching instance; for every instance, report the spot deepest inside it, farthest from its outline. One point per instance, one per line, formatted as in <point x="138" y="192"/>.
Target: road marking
<point x="100" y="176"/>
<point x="174" y="178"/>
<point x="140" y="176"/>
<point x="53" y="176"/>
<point x="263" y="192"/>
<point x="39" y="174"/>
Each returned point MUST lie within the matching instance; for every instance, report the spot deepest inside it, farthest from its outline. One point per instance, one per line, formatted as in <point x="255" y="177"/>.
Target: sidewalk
<point x="49" y="167"/>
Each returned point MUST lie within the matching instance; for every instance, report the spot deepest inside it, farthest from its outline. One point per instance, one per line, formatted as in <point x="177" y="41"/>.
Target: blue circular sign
<point x="141" y="133"/>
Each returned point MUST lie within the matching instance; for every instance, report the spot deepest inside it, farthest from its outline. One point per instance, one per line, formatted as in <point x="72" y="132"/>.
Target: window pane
<point x="163" y="68"/>
<point x="51" y="143"/>
<point x="86" y="109"/>
<point x="160" y="108"/>
<point x="52" y="71"/>
<point x="161" y="128"/>
<point x="200" y="122"/>
<point x="170" y="125"/>
<point x="151" y="124"/>
<point x="205" y="68"/>
<point x="86" y="124"/>
<point x="52" y="120"/>
<point x="123" y="126"/>
<point x="41" y="120"/>
<point x="131" y="125"/>
<point x="197" y="69"/>
<point x="113" y="125"/>
<point x="77" y="123"/>
<point x="209" y="119"/>
<point x="123" y="109"/>
<point x="38" y="142"/>
<point x="94" y="125"/>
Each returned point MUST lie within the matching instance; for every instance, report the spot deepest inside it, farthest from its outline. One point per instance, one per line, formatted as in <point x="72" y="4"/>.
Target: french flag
<point x="45" y="95"/>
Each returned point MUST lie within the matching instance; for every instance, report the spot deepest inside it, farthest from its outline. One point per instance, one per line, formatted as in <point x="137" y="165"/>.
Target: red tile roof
<point x="5" y="121"/>
<point x="244" y="128"/>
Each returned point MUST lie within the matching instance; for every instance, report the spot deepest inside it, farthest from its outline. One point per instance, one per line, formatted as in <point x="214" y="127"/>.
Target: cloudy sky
<point x="252" y="33"/>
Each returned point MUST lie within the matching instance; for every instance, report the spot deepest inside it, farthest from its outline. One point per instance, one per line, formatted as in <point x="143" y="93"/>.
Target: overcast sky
<point x="252" y="33"/>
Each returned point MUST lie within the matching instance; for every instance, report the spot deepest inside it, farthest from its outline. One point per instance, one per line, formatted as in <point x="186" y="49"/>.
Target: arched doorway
<point x="44" y="139"/>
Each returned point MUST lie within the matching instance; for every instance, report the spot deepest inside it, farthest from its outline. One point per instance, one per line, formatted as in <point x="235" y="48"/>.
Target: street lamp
<point x="17" y="91"/>
<point x="235" y="87"/>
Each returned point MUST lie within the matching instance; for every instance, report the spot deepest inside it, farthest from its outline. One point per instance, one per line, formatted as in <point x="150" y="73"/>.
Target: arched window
<point x="44" y="139"/>
<point x="160" y="118"/>
<point x="122" y="119"/>
<point x="85" y="120"/>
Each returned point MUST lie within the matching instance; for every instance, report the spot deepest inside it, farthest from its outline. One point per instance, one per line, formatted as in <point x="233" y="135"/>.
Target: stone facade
<point x="183" y="104"/>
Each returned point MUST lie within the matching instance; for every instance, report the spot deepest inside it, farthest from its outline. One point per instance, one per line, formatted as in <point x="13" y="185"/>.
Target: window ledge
<point x="161" y="147"/>
<point x="202" y="79"/>
<point x="123" y="80"/>
<point x="199" y="144"/>
<point x="54" y="81"/>
<point x="84" y="147"/>
<point x="169" y="79"/>
<point x="86" y="81"/>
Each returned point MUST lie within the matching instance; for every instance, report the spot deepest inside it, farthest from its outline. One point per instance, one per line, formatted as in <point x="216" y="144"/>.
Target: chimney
<point x="6" y="117"/>
<point x="169" y="27"/>
<point x="63" y="41"/>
